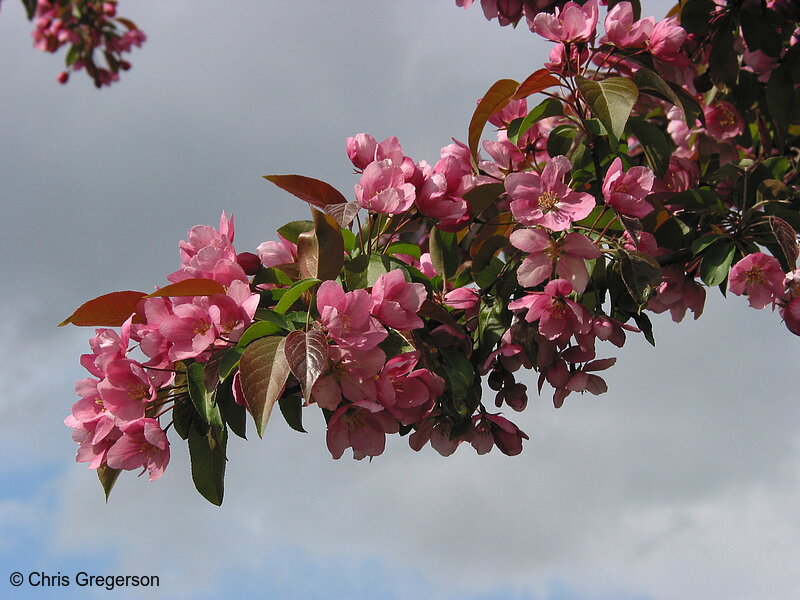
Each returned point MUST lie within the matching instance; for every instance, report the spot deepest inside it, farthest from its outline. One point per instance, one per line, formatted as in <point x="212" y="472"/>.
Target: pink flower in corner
<point x="143" y="444"/>
<point x="568" y="253"/>
<point x="759" y="277"/>
<point x="364" y="149"/>
<point x="545" y="199"/>
<point x="625" y="191"/>
<point x="570" y="23"/>
<point x="396" y="303"/>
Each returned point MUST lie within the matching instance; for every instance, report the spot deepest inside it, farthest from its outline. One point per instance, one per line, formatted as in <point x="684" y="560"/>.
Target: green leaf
<point x="263" y="370"/>
<point x="610" y="100"/>
<point x="207" y="455"/>
<point x="405" y="248"/>
<point x="30" y="12"/>
<point x="293" y="294"/>
<point x="292" y="411"/>
<point x="656" y="144"/>
<point x="694" y="15"/>
<point x="108" y="477"/>
<point x="717" y="263"/>
<point x="700" y="198"/>
<point x="606" y="221"/>
<point x="234" y="414"/>
<point x="550" y="107"/>
<point x="704" y="242"/>
<point x="652" y="83"/>
<point x="315" y="192"/>
<point x="779" y="97"/>
<point x="307" y="355"/>
<point x="481" y="197"/>
<point x="229" y="362"/>
<point x="496" y="98"/>
<point x="641" y="274"/>
<point x="363" y="271"/>
<point x="350" y="240"/>
<point x="723" y="62"/>
<point x="445" y="253"/>
<point x="643" y="323"/>
<point x="493" y="321"/>
<point x="460" y="382"/>
<point x="202" y="399"/>
<point x="561" y="139"/>
<point x="291" y="231"/>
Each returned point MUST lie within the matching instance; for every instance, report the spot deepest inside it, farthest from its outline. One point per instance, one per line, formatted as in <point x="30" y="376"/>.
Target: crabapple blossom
<point x="570" y="23"/>
<point x="346" y="317"/>
<point x="625" y="191"/>
<point x="544" y="199"/>
<point x="723" y="121"/>
<point x="568" y="253"/>
<point x="623" y="31"/>
<point x="143" y="444"/>
<point x="558" y="316"/>
<point x="359" y="429"/>
<point x="383" y="189"/>
<point x="396" y="303"/>
<point x="759" y="277"/>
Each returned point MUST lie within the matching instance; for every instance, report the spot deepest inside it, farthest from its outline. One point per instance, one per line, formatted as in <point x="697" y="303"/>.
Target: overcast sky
<point x="682" y="482"/>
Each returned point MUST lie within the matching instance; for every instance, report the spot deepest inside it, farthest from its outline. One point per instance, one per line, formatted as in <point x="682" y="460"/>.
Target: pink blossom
<point x="791" y="315"/>
<point x="441" y="194"/>
<point x="570" y="23"/>
<point x="566" y="380"/>
<point x="363" y="431"/>
<point x="758" y="276"/>
<point x="346" y="316"/>
<point x="566" y="62"/>
<point x="625" y="191"/>
<point x="127" y="389"/>
<point x="559" y="317"/>
<point x="723" y="121"/>
<point x="507" y="436"/>
<point x="545" y="200"/>
<point x="355" y="375"/>
<point x="516" y="109"/>
<point x="568" y="253"/>
<point x="396" y="303"/>
<point x="436" y="430"/>
<point x="275" y="253"/>
<point x="666" y="41"/>
<point x="623" y="31"/>
<point x="383" y="189"/>
<point x="414" y="390"/>
<point x="94" y="439"/>
<point x="191" y="329"/>
<point x="143" y="444"/>
<point x="677" y="292"/>
<point x="682" y="174"/>
<point x="364" y="149"/>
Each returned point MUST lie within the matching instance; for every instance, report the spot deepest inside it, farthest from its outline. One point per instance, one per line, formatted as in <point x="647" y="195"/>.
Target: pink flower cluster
<point x="115" y="421"/>
<point x="86" y="26"/>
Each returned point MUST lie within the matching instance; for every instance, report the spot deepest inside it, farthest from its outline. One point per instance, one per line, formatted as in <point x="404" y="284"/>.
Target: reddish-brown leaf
<point x="535" y="83"/>
<point x="496" y="98"/>
<point x="263" y="371"/>
<point x="307" y="354"/>
<point x="343" y="214"/>
<point x="313" y="191"/>
<point x="190" y="287"/>
<point x="320" y="252"/>
<point x="108" y="310"/>
<point x="786" y="237"/>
